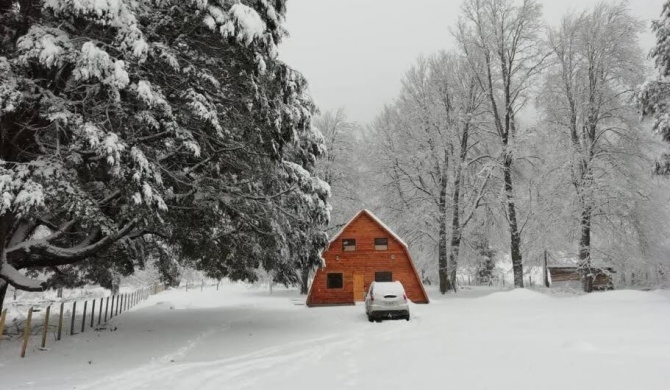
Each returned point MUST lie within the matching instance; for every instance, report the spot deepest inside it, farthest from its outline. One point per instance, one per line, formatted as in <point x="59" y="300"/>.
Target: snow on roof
<point x="377" y="220"/>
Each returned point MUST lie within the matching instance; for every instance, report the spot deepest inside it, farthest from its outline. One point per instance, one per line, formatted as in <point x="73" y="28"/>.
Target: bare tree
<point x="500" y="39"/>
<point x="425" y="153"/>
<point x="460" y="98"/>
<point x="597" y="64"/>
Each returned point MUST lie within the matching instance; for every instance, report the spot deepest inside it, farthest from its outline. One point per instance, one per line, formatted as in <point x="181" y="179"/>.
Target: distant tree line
<point x="528" y="138"/>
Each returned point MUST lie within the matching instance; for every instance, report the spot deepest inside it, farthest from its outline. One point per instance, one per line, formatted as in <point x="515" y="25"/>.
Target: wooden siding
<point x="364" y="262"/>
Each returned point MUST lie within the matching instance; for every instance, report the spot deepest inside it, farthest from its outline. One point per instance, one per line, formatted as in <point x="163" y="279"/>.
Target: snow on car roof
<point x="388" y="288"/>
<point x="377" y="220"/>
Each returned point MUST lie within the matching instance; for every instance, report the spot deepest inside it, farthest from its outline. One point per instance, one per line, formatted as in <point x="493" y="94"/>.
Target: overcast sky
<point x="354" y="52"/>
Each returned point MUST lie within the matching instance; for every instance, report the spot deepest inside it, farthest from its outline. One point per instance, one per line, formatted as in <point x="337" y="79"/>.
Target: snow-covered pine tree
<point x="485" y="258"/>
<point x="654" y="96"/>
<point x="132" y="126"/>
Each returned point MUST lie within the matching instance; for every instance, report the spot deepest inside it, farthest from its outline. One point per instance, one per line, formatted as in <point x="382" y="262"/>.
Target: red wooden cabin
<point x="365" y="250"/>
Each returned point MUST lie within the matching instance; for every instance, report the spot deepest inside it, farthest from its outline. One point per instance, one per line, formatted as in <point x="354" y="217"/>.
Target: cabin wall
<point x="365" y="261"/>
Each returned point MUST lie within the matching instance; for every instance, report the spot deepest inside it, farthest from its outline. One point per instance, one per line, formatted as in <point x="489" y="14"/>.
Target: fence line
<point x="124" y="302"/>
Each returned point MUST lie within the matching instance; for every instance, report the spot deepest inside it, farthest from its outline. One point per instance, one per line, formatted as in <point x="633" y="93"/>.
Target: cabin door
<point x="359" y="287"/>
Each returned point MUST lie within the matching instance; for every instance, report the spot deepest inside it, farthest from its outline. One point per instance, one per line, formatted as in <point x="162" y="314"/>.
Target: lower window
<point x="383" y="276"/>
<point x="334" y="280"/>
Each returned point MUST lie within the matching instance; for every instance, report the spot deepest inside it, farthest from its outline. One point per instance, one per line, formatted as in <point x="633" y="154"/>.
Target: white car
<point x="386" y="300"/>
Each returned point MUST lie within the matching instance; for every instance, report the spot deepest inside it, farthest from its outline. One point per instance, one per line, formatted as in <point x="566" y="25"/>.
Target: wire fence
<point x="44" y="326"/>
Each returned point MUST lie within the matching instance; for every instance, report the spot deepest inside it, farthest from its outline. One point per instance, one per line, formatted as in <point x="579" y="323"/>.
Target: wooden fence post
<point x="26" y="333"/>
<point x="83" y="318"/>
<point x="3" y="316"/>
<point x="92" y="312"/>
<point x="118" y="302"/>
<point x="74" y="314"/>
<point x="46" y="326"/>
<point x="60" y="321"/>
<point x="111" y="312"/>
<point x="100" y="311"/>
<point x="106" y="308"/>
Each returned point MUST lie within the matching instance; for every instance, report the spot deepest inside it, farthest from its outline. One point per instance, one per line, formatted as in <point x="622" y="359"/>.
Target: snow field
<point x="244" y="338"/>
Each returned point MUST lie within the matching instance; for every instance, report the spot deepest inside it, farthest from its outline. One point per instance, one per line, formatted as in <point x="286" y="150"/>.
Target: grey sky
<point x="354" y="52"/>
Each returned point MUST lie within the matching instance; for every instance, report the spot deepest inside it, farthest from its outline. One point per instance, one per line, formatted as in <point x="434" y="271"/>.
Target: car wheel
<point x="370" y="318"/>
<point x="407" y="318"/>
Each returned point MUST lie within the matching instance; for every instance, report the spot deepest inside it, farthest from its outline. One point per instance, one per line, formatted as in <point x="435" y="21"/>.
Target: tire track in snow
<point x="155" y="363"/>
<point x="203" y="375"/>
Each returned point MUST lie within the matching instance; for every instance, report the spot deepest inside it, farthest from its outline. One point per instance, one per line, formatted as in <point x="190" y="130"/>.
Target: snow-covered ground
<point x="244" y="338"/>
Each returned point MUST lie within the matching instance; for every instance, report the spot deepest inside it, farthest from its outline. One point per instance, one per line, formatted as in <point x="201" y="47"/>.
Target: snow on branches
<point x="113" y="13"/>
<point x="96" y="63"/>
<point x="20" y="193"/>
<point x="10" y="96"/>
<point x="184" y="130"/>
<point x="51" y="47"/>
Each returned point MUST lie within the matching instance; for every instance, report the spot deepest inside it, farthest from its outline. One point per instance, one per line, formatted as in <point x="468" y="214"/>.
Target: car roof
<point x="388" y="287"/>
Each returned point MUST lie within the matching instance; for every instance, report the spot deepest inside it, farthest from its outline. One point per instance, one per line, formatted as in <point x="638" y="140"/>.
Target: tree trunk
<point x="453" y="258"/>
<point x="304" y="280"/>
<point x="455" y="231"/>
<point x="515" y="236"/>
<point x="3" y="293"/>
<point x="442" y="245"/>
<point x="585" y="250"/>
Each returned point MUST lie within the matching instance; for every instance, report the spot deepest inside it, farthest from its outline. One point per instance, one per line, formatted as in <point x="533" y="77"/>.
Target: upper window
<point x="383" y="276"/>
<point x="381" y="244"/>
<point x="348" y="245"/>
<point x="334" y="280"/>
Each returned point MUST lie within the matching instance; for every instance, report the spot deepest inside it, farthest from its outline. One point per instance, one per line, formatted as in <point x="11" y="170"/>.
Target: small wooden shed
<point x="570" y="275"/>
<point x="365" y="250"/>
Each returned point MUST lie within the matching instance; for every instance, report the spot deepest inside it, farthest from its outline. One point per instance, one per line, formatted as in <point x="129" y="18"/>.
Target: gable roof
<point x="376" y="220"/>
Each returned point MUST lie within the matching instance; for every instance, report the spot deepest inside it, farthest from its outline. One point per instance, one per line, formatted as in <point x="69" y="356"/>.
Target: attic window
<point x="381" y="244"/>
<point x="334" y="280"/>
<point x="348" y="245"/>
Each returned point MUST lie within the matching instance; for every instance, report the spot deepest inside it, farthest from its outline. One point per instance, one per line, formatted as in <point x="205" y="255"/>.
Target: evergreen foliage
<point x="153" y="131"/>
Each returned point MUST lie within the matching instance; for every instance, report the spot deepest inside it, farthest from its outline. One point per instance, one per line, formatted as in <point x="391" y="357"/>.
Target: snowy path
<point x="242" y="338"/>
